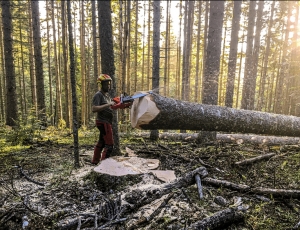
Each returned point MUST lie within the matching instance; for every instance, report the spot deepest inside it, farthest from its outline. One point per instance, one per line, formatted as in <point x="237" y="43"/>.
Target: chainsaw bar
<point x="131" y="98"/>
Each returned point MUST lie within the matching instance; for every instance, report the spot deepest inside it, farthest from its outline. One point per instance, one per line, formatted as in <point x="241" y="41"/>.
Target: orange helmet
<point x="103" y="77"/>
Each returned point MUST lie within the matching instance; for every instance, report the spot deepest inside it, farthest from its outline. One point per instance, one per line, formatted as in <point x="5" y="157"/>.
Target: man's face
<point x="106" y="86"/>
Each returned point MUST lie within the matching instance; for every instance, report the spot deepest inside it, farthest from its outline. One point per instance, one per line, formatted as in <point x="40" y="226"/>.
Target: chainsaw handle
<point x="121" y="105"/>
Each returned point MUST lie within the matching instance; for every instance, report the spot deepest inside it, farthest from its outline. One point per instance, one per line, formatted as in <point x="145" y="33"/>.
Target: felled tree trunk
<point x="229" y="138"/>
<point x="157" y="112"/>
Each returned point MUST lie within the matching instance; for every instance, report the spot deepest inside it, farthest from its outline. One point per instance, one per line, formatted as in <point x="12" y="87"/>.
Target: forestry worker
<point x="101" y="105"/>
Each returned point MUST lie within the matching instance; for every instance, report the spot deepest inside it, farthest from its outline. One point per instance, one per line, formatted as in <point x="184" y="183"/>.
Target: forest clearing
<point x="221" y="74"/>
<point x="57" y="196"/>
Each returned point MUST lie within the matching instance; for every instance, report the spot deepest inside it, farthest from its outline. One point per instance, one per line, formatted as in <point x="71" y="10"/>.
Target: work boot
<point x="106" y="152"/>
<point x="97" y="153"/>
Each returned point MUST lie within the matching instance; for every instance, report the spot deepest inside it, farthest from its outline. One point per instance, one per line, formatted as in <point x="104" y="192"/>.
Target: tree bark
<point x="156" y="112"/>
<point x="156" y="55"/>
<point x="40" y="88"/>
<point x="107" y="58"/>
<point x="255" y="55"/>
<point x="58" y="102"/>
<point x="249" y="57"/>
<point x="233" y="52"/>
<point x="2" y="78"/>
<point x="73" y="84"/>
<point x="11" y="96"/>
<point x="220" y="219"/>
<point x="67" y="107"/>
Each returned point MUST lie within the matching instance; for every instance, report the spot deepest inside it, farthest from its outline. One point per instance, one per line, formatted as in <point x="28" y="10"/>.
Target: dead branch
<point x="199" y="186"/>
<point x="220" y="219"/>
<point x="27" y="177"/>
<point x="257" y="190"/>
<point x="255" y="159"/>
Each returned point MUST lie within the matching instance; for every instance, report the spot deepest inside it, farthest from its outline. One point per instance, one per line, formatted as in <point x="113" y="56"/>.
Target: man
<point x="102" y="106"/>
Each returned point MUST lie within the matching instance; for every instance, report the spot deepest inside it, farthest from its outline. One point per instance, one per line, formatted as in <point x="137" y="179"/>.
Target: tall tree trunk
<point x="19" y="90"/>
<point x="239" y="76"/>
<point x="23" y="91"/>
<point x="184" y="54"/>
<point x="49" y="66"/>
<point x="65" y="71"/>
<point x="189" y="48"/>
<point x="58" y="105"/>
<point x="221" y="97"/>
<point x="95" y="45"/>
<point x="168" y="28"/>
<point x="212" y="61"/>
<point x="82" y="69"/>
<point x="294" y="67"/>
<point x="121" y="44"/>
<point x="255" y="60"/>
<point x="136" y="44"/>
<point x="32" y="64"/>
<point x="2" y="78"/>
<point x="197" y="79"/>
<point x="204" y="46"/>
<point x="234" y="41"/>
<point x="156" y="55"/>
<point x="260" y="99"/>
<point x="149" y="45"/>
<point x="178" y="56"/>
<point x="73" y="84"/>
<point x="144" y="47"/>
<point x="213" y="51"/>
<point x="248" y="62"/>
<point x="40" y="89"/>
<point x="284" y="66"/>
<point x="166" y="53"/>
<point x="107" y="57"/>
<point x="128" y="88"/>
<point x="11" y="97"/>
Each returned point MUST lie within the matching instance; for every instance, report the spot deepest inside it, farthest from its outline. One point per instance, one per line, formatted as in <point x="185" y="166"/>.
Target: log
<point x="157" y="112"/>
<point x="288" y="193"/>
<point x="220" y="219"/>
<point x="239" y="138"/>
<point x="255" y="159"/>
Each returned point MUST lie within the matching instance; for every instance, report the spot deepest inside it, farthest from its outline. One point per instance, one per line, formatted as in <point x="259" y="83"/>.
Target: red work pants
<point x="105" y="143"/>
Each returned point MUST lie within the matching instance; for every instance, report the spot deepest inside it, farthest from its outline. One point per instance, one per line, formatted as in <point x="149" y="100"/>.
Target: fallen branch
<point x="220" y="219"/>
<point x="257" y="190"/>
<point x="255" y="159"/>
<point x="27" y="177"/>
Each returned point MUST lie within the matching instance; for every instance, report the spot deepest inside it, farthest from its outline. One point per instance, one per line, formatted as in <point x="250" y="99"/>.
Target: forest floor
<point x="74" y="198"/>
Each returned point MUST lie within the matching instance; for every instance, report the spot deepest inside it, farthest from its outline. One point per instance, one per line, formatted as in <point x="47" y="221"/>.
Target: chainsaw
<point x="125" y="101"/>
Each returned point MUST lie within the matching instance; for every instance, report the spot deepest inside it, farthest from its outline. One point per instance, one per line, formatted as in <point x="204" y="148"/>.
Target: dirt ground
<point x="56" y="196"/>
